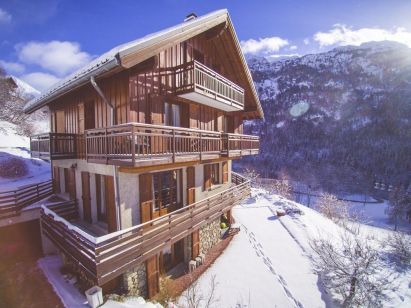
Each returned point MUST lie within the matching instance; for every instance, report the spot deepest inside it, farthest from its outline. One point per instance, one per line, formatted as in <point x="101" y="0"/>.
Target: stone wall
<point x="187" y="249"/>
<point x="209" y="235"/>
<point x="135" y="281"/>
<point x="83" y="283"/>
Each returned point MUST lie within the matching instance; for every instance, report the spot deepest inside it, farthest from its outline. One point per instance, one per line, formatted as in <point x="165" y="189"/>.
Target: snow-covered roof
<point x="121" y="57"/>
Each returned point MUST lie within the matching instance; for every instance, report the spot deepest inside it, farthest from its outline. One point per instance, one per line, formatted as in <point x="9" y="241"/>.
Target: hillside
<point x="339" y="118"/>
<point x="15" y="126"/>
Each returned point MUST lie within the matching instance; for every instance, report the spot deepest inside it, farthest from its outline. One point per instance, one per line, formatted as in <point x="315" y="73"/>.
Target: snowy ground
<point x="268" y="263"/>
<point x="39" y="170"/>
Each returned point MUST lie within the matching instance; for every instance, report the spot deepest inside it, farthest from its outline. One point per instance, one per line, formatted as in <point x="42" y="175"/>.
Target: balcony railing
<point x="106" y="257"/>
<point x="13" y="201"/>
<point x="54" y="145"/>
<point x="136" y="144"/>
<point x="199" y="83"/>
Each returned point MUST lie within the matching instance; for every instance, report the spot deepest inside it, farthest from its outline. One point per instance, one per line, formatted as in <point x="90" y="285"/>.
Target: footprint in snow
<point x="282" y="280"/>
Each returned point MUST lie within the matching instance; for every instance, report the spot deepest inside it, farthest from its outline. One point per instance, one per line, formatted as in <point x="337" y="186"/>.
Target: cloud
<point x="5" y="17"/>
<point x="40" y="81"/>
<point x="294" y="47"/>
<point x="306" y="41"/>
<point x="12" y="67"/>
<point x="58" y="57"/>
<point x="263" y="46"/>
<point x="343" y="35"/>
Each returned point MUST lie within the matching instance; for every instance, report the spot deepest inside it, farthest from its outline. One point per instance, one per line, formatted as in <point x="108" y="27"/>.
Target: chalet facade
<point x="141" y="144"/>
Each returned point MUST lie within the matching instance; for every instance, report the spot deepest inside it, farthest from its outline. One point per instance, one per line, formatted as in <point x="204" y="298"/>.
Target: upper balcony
<point x="105" y="257"/>
<point x="136" y="144"/>
<point x="198" y="83"/>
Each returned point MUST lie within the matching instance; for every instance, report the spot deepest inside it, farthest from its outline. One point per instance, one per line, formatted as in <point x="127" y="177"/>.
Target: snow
<point x="71" y="296"/>
<point x="9" y="136"/>
<point x="68" y="293"/>
<point x="38" y="170"/>
<point x="269" y="262"/>
<point x="27" y="89"/>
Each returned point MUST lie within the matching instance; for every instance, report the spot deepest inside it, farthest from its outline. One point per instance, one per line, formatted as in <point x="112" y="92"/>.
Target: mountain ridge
<point x="341" y="115"/>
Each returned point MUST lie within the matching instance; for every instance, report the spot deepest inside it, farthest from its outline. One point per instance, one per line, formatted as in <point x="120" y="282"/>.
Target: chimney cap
<point x="190" y="16"/>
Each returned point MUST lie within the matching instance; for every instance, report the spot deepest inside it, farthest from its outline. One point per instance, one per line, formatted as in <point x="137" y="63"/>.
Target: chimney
<point x="190" y="16"/>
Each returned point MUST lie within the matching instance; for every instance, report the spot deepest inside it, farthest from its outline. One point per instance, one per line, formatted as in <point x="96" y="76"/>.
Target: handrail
<point x="97" y="255"/>
<point x="13" y="201"/>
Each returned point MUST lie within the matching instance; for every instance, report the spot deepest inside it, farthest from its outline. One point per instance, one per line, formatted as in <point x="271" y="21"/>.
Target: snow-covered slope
<point x="25" y="88"/>
<point x="268" y="264"/>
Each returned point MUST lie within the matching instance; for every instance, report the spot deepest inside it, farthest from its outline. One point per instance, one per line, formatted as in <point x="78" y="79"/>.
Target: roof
<point x="131" y="53"/>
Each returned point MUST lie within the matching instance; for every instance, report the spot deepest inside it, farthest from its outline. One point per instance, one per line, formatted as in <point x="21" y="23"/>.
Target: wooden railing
<point x="56" y="146"/>
<point x="195" y="76"/>
<point x="134" y="144"/>
<point x="13" y="201"/>
<point x="104" y="258"/>
<point x="238" y="144"/>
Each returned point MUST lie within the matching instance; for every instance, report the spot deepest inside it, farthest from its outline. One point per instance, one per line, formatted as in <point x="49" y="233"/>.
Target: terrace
<point x="106" y="257"/>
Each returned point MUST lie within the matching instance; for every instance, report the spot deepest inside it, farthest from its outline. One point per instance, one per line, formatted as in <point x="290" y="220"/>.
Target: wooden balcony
<point x="136" y="144"/>
<point x="106" y="257"/>
<point x="51" y="146"/>
<point x="198" y="83"/>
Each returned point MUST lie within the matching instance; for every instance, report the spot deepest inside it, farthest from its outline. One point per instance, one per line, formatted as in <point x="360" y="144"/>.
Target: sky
<point x="42" y="41"/>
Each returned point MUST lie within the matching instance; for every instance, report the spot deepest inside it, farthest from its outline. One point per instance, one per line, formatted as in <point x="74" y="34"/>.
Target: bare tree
<point x="399" y="204"/>
<point x="350" y="268"/>
<point x="195" y="298"/>
<point x="399" y="244"/>
<point x="252" y="175"/>
<point x="331" y="207"/>
<point x="281" y="188"/>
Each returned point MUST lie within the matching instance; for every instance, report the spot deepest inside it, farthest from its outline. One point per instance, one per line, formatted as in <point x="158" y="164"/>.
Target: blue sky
<point x="41" y="41"/>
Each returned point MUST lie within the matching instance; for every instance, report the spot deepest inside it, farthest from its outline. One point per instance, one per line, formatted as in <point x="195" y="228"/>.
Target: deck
<point x="106" y="257"/>
<point x="136" y="144"/>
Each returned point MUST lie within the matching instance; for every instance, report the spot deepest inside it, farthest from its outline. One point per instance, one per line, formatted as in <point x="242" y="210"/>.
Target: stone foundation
<point x="209" y="235"/>
<point x="187" y="249"/>
<point x="135" y="281"/>
<point x="83" y="282"/>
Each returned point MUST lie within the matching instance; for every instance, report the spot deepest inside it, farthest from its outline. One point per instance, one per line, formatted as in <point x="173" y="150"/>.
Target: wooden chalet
<point x="141" y="144"/>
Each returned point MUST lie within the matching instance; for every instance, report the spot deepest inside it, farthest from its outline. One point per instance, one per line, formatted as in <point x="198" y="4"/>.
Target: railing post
<point x="174" y="146"/>
<point x="133" y="146"/>
<point x="201" y="146"/>
<point x="105" y="145"/>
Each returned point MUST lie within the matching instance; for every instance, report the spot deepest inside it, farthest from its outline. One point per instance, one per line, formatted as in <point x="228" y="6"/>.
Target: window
<point x="172" y="114"/>
<point x="211" y="175"/>
<point x="214" y="174"/>
<point x="165" y="189"/>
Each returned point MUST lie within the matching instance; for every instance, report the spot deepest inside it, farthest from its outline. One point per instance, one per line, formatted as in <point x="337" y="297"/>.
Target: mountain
<point x="26" y="89"/>
<point x="336" y="119"/>
<point x="15" y="126"/>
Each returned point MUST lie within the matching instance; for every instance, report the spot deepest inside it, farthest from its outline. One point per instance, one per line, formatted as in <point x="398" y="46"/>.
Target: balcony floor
<point x="95" y="229"/>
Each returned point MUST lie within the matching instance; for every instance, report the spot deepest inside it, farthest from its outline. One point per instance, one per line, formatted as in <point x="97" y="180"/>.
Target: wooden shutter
<point x="225" y="172"/>
<point x="207" y="177"/>
<point x="195" y="243"/>
<point x="153" y="276"/>
<point x="81" y="123"/>
<point x="85" y="185"/>
<point x="238" y="125"/>
<point x="146" y="196"/>
<point x="185" y="115"/>
<point x="66" y="180"/>
<point x="60" y="122"/>
<point x="194" y="116"/>
<point x="56" y="180"/>
<point x="157" y="110"/>
<point x="110" y="203"/>
<point x="190" y="185"/>
<point x="101" y="216"/>
<point x="220" y="121"/>
<point x="72" y="183"/>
